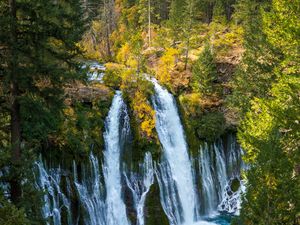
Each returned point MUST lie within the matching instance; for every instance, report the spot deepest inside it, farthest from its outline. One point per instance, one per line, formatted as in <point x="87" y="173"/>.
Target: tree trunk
<point x="15" y="111"/>
<point x="149" y="23"/>
<point x="210" y="10"/>
<point x="187" y="53"/>
<point x="164" y="10"/>
<point x="229" y="10"/>
<point x="108" y="27"/>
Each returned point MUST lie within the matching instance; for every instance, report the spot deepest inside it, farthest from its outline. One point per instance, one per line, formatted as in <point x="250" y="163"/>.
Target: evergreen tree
<point x="204" y="72"/>
<point x="254" y="75"/>
<point x="270" y="132"/>
<point x="38" y="42"/>
<point x="175" y="19"/>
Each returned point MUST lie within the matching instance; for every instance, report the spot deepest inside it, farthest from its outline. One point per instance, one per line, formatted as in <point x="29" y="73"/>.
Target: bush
<point x="211" y="126"/>
<point x="11" y="215"/>
<point x="112" y="77"/>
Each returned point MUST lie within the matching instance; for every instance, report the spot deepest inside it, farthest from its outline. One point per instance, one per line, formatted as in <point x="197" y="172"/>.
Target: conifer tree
<point x="204" y="72"/>
<point x="270" y="131"/>
<point x="38" y="42"/>
<point x="175" y="19"/>
<point x="254" y="75"/>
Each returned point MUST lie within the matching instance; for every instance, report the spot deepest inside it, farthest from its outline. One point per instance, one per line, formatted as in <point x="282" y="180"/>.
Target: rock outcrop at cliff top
<point x="86" y="93"/>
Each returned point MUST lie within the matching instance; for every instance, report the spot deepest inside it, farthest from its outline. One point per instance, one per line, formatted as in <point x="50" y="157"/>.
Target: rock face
<point x="87" y="93"/>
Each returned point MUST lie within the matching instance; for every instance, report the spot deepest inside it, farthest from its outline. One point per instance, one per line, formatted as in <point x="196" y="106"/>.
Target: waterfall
<point x="55" y="201"/>
<point x="221" y="170"/>
<point x="206" y="185"/>
<point x="179" y="169"/>
<point x="217" y="170"/>
<point x="209" y="192"/>
<point x="116" y="210"/>
<point x="231" y="202"/>
<point x="90" y="192"/>
<point x="140" y="186"/>
<point x="168" y="193"/>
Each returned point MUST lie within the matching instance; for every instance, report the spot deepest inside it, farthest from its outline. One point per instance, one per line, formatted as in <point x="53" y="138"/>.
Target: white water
<point x="116" y="210"/>
<point x="102" y="203"/>
<point x="141" y="186"/>
<point x="210" y="197"/>
<point x="221" y="170"/>
<point x="168" y="193"/>
<point x="171" y="136"/>
<point x="90" y="192"/>
<point x="55" y="201"/>
<point x="231" y="202"/>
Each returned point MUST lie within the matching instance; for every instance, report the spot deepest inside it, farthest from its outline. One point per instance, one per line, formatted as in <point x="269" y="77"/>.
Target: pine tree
<point x="204" y="72"/>
<point x="175" y="19"/>
<point x="38" y="42"/>
<point x="270" y="132"/>
<point x="254" y="75"/>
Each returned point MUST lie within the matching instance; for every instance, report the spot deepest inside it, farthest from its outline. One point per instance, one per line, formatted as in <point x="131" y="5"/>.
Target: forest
<point x="150" y="112"/>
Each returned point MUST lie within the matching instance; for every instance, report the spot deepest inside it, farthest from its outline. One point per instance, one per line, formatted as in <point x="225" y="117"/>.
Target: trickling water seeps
<point x="140" y="186"/>
<point x="90" y="191"/>
<point x="116" y="210"/>
<point x="55" y="201"/>
<point x="192" y="191"/>
<point x="209" y="189"/>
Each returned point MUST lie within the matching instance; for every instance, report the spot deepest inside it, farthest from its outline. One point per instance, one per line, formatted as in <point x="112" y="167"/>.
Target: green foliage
<point x="38" y="53"/>
<point x="175" y="18"/>
<point x="11" y="215"/>
<point x="211" y="126"/>
<point x="28" y="209"/>
<point x="112" y="77"/>
<point x="270" y="131"/>
<point x="204" y="72"/>
<point x="82" y="129"/>
<point x="255" y="73"/>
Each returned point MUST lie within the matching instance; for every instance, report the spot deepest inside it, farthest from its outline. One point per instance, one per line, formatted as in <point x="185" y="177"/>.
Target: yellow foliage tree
<point x="166" y="64"/>
<point x="144" y="113"/>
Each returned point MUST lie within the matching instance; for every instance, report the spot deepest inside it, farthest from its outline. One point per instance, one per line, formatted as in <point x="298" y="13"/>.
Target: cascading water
<point x="178" y="168"/>
<point x="116" y="210"/>
<point x="168" y="193"/>
<point x="221" y="170"/>
<point x="231" y="202"/>
<point x="205" y="185"/>
<point x="209" y="191"/>
<point x="55" y="201"/>
<point x="140" y="186"/>
<point x="218" y="171"/>
<point x="90" y="192"/>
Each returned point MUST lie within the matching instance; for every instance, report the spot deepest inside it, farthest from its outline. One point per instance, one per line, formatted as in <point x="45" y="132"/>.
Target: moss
<point x="189" y="114"/>
<point x="235" y="185"/>
<point x="153" y="210"/>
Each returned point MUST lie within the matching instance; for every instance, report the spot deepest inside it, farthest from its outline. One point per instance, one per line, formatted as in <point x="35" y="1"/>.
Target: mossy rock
<point x="154" y="213"/>
<point x="235" y="185"/>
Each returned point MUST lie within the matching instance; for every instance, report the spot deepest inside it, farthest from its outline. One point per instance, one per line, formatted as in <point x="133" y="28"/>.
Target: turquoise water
<point x="221" y="219"/>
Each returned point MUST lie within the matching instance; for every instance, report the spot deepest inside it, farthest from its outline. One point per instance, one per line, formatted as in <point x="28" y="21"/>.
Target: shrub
<point x="211" y="126"/>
